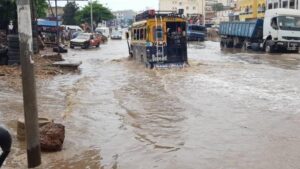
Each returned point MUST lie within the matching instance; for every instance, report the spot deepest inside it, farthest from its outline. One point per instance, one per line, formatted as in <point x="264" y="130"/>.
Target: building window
<point x="187" y="8"/>
<point x="270" y="6"/>
<point x="284" y="4"/>
<point x="180" y="3"/>
<point x="194" y="8"/>
<point x="275" y="5"/>
<point x="292" y="4"/>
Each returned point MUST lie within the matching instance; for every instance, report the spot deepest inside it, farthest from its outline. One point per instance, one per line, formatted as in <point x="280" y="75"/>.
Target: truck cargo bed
<point x="248" y="29"/>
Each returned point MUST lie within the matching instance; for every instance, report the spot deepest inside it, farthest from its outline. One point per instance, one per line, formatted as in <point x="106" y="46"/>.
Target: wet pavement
<point x="228" y="110"/>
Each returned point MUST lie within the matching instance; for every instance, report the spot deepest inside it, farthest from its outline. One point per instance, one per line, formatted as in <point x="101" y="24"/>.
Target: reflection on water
<point x="229" y="109"/>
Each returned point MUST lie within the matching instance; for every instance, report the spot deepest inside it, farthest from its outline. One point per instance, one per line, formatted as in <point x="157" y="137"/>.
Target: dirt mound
<point x="11" y="75"/>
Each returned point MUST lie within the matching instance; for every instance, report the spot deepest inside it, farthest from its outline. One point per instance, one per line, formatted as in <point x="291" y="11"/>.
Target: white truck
<point x="278" y="31"/>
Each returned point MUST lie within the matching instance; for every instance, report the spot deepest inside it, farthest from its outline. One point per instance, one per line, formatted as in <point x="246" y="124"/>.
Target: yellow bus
<point x="159" y="39"/>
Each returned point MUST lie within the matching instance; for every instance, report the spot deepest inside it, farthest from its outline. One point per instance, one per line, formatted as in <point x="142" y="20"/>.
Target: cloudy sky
<point x="136" y="5"/>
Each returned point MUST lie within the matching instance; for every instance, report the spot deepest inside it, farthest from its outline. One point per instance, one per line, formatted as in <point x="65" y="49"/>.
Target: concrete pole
<point x="92" y="26"/>
<point x="28" y="82"/>
<point x="57" y="28"/>
<point x="204" y="11"/>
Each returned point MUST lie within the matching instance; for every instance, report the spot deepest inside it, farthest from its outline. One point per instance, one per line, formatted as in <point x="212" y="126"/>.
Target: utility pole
<point x="57" y="28"/>
<point x="28" y="82"/>
<point x="92" y="26"/>
<point x="204" y="11"/>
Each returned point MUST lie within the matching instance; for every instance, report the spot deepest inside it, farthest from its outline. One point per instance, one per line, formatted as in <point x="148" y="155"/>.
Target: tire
<point x="86" y="46"/>
<point x="244" y="47"/>
<point x="13" y="62"/>
<point x="3" y="60"/>
<point x="72" y="47"/>
<point x="98" y="45"/>
<point x="35" y="46"/>
<point x="14" y="38"/>
<point x="222" y="45"/>
<point x="13" y="54"/>
<point x="269" y="48"/>
<point x="13" y="44"/>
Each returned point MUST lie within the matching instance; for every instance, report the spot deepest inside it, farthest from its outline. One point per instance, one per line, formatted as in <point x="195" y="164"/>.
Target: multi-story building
<point x="123" y="18"/>
<point x="193" y="9"/>
<point x="209" y="11"/>
<point x="255" y="9"/>
<point x="292" y="4"/>
<point x="190" y="7"/>
<point x="252" y="9"/>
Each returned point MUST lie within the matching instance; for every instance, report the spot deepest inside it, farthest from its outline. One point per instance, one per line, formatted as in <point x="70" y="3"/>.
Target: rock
<point x="52" y="137"/>
<point x="21" y="126"/>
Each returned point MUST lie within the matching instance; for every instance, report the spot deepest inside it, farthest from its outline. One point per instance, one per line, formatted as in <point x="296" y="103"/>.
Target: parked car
<point x="196" y="33"/>
<point x="104" y="38"/>
<point x="103" y="30"/>
<point x="86" y="40"/>
<point x="116" y="35"/>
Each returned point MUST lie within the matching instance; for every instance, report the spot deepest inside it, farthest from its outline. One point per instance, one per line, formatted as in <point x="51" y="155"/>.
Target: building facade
<point x="255" y="9"/>
<point x="291" y="4"/>
<point x="123" y="18"/>
<point x="191" y="7"/>
<point x="252" y="9"/>
<point x="210" y="14"/>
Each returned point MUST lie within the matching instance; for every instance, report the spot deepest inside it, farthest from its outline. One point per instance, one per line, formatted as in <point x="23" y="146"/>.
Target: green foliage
<point x="100" y="13"/>
<point x="218" y="7"/>
<point x="69" y="13"/>
<point x="41" y="6"/>
<point x="8" y="11"/>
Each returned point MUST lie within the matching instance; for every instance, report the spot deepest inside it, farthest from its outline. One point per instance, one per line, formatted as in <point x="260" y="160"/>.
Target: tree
<point x="41" y="6"/>
<point x="8" y="12"/>
<point x="218" y="7"/>
<point x="100" y="13"/>
<point x="69" y="13"/>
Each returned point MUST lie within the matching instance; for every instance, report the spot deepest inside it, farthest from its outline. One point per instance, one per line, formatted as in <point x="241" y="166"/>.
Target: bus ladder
<point x="159" y="43"/>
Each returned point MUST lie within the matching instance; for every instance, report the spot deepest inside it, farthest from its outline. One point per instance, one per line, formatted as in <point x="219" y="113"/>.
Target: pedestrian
<point x="5" y="144"/>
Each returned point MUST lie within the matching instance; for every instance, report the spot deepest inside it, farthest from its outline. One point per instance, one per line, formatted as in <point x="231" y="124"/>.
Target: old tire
<point x="13" y="44"/>
<point x="14" y="38"/>
<point x="13" y="62"/>
<point x="13" y="54"/>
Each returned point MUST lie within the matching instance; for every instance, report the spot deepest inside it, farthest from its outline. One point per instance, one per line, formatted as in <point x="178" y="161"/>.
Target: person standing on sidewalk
<point x="5" y="144"/>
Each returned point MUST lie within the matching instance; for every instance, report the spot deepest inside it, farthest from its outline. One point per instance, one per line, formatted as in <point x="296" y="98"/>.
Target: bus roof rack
<point x="152" y="13"/>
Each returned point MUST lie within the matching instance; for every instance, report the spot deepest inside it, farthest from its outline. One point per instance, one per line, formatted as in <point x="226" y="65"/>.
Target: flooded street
<point x="228" y="110"/>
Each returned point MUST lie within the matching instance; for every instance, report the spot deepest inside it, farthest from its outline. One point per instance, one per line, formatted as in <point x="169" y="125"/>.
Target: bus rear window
<point x="158" y="34"/>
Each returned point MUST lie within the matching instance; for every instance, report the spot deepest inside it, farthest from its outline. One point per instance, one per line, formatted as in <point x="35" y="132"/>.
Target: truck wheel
<point x="222" y="45"/>
<point x="244" y="47"/>
<point x="269" y="48"/>
<point x="97" y="46"/>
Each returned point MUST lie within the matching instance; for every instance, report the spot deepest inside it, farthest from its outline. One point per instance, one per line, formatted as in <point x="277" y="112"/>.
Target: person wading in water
<point x="5" y="144"/>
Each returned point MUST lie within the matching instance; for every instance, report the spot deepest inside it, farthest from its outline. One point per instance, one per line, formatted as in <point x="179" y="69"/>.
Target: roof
<point x="43" y="22"/>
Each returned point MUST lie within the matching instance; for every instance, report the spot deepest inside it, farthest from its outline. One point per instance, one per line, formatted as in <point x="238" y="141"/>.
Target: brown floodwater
<point x="228" y="110"/>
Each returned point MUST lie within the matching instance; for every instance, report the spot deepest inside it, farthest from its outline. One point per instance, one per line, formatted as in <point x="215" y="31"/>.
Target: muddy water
<point x="228" y="110"/>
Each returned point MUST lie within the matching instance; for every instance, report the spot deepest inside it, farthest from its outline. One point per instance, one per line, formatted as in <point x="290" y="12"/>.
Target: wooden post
<point x="28" y="82"/>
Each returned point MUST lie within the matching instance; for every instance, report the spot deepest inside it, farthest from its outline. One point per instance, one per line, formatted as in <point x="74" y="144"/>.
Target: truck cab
<point x="281" y="30"/>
